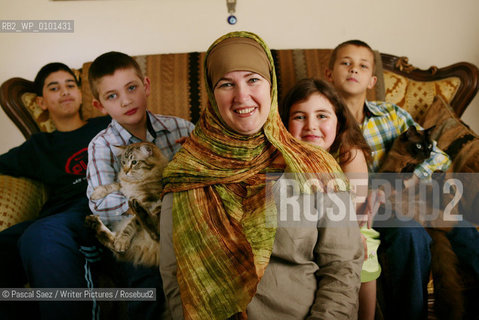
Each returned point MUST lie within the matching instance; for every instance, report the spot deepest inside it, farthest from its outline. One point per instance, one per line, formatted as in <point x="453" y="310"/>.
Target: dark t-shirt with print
<point x="58" y="159"/>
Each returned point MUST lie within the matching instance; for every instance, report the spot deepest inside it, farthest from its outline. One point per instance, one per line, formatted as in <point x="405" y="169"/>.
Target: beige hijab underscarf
<point x="237" y="54"/>
<point x="219" y="179"/>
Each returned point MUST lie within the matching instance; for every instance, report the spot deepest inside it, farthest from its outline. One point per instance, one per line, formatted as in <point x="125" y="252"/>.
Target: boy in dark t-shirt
<point x="58" y="159"/>
<point x="45" y="252"/>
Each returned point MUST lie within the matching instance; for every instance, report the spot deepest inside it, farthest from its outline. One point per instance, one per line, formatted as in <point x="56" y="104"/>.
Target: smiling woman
<point x="243" y="101"/>
<point x="240" y="77"/>
<point x="222" y="254"/>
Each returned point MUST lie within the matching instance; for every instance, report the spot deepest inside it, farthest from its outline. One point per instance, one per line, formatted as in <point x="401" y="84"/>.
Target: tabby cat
<point x="135" y="238"/>
<point x="408" y="150"/>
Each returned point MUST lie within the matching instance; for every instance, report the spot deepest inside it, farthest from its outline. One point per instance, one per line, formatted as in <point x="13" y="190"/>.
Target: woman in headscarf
<point x="222" y="250"/>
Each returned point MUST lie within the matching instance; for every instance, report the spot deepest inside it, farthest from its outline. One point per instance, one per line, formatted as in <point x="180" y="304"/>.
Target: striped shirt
<point x="383" y="122"/>
<point x="103" y="164"/>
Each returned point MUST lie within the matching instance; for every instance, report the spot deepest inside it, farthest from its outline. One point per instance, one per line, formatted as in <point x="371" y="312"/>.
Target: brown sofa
<point x="435" y="96"/>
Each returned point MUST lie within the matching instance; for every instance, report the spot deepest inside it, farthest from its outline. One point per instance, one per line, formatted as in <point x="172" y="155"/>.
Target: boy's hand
<point x="371" y="206"/>
<point x="365" y="246"/>
<point x="181" y="140"/>
<point x="411" y="181"/>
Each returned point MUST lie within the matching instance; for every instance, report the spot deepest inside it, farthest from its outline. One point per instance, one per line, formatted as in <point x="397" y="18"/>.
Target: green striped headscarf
<point x="221" y="241"/>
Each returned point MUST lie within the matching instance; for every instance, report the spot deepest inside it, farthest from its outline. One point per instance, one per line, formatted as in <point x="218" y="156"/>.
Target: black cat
<point x="411" y="148"/>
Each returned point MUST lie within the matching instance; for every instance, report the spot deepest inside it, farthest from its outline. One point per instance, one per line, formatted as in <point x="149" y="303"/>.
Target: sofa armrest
<point x="416" y="88"/>
<point x="11" y="92"/>
<point x="20" y="199"/>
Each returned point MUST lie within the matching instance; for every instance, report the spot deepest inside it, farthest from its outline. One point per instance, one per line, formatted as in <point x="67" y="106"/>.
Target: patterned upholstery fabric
<point x="41" y="116"/>
<point x="416" y="96"/>
<point x="20" y="199"/>
<point x="462" y="145"/>
<point x="452" y="136"/>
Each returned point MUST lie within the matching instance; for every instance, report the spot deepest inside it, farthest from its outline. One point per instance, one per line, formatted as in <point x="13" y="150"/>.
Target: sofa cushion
<point x="416" y="96"/>
<point x="20" y="199"/>
<point x="41" y="116"/>
<point x="462" y="145"/>
<point x="452" y="136"/>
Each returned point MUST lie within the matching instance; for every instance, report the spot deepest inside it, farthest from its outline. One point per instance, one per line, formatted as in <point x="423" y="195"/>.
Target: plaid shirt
<point x="103" y="164"/>
<point x="384" y="122"/>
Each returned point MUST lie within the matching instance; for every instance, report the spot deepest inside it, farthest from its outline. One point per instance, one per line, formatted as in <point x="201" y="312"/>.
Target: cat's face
<point x="135" y="158"/>
<point x="418" y="143"/>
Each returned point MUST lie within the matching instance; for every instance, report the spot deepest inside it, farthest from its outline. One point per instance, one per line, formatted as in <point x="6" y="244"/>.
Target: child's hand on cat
<point x="371" y="206"/>
<point x="365" y="246"/>
<point x="181" y="140"/>
<point x="411" y="181"/>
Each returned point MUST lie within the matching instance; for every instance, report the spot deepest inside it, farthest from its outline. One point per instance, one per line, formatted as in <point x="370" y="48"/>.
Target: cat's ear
<point x="147" y="149"/>
<point x="118" y="149"/>
<point x="410" y="132"/>
<point x="429" y="131"/>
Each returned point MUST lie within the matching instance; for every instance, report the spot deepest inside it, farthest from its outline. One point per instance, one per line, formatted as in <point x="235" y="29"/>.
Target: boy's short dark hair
<point x="358" y="43"/>
<point x="107" y="64"/>
<point x="48" y="69"/>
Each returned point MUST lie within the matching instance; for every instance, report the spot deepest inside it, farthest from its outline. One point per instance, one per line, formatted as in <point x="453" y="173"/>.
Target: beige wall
<point x="429" y="32"/>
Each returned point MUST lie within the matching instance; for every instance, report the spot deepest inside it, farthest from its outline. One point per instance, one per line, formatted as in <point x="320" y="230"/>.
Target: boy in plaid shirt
<point x="405" y="244"/>
<point x="121" y="90"/>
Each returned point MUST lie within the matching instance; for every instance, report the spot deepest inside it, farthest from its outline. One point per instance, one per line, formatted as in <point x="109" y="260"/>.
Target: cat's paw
<point x="98" y="193"/>
<point x="93" y="222"/>
<point x="154" y="236"/>
<point x="121" y="245"/>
